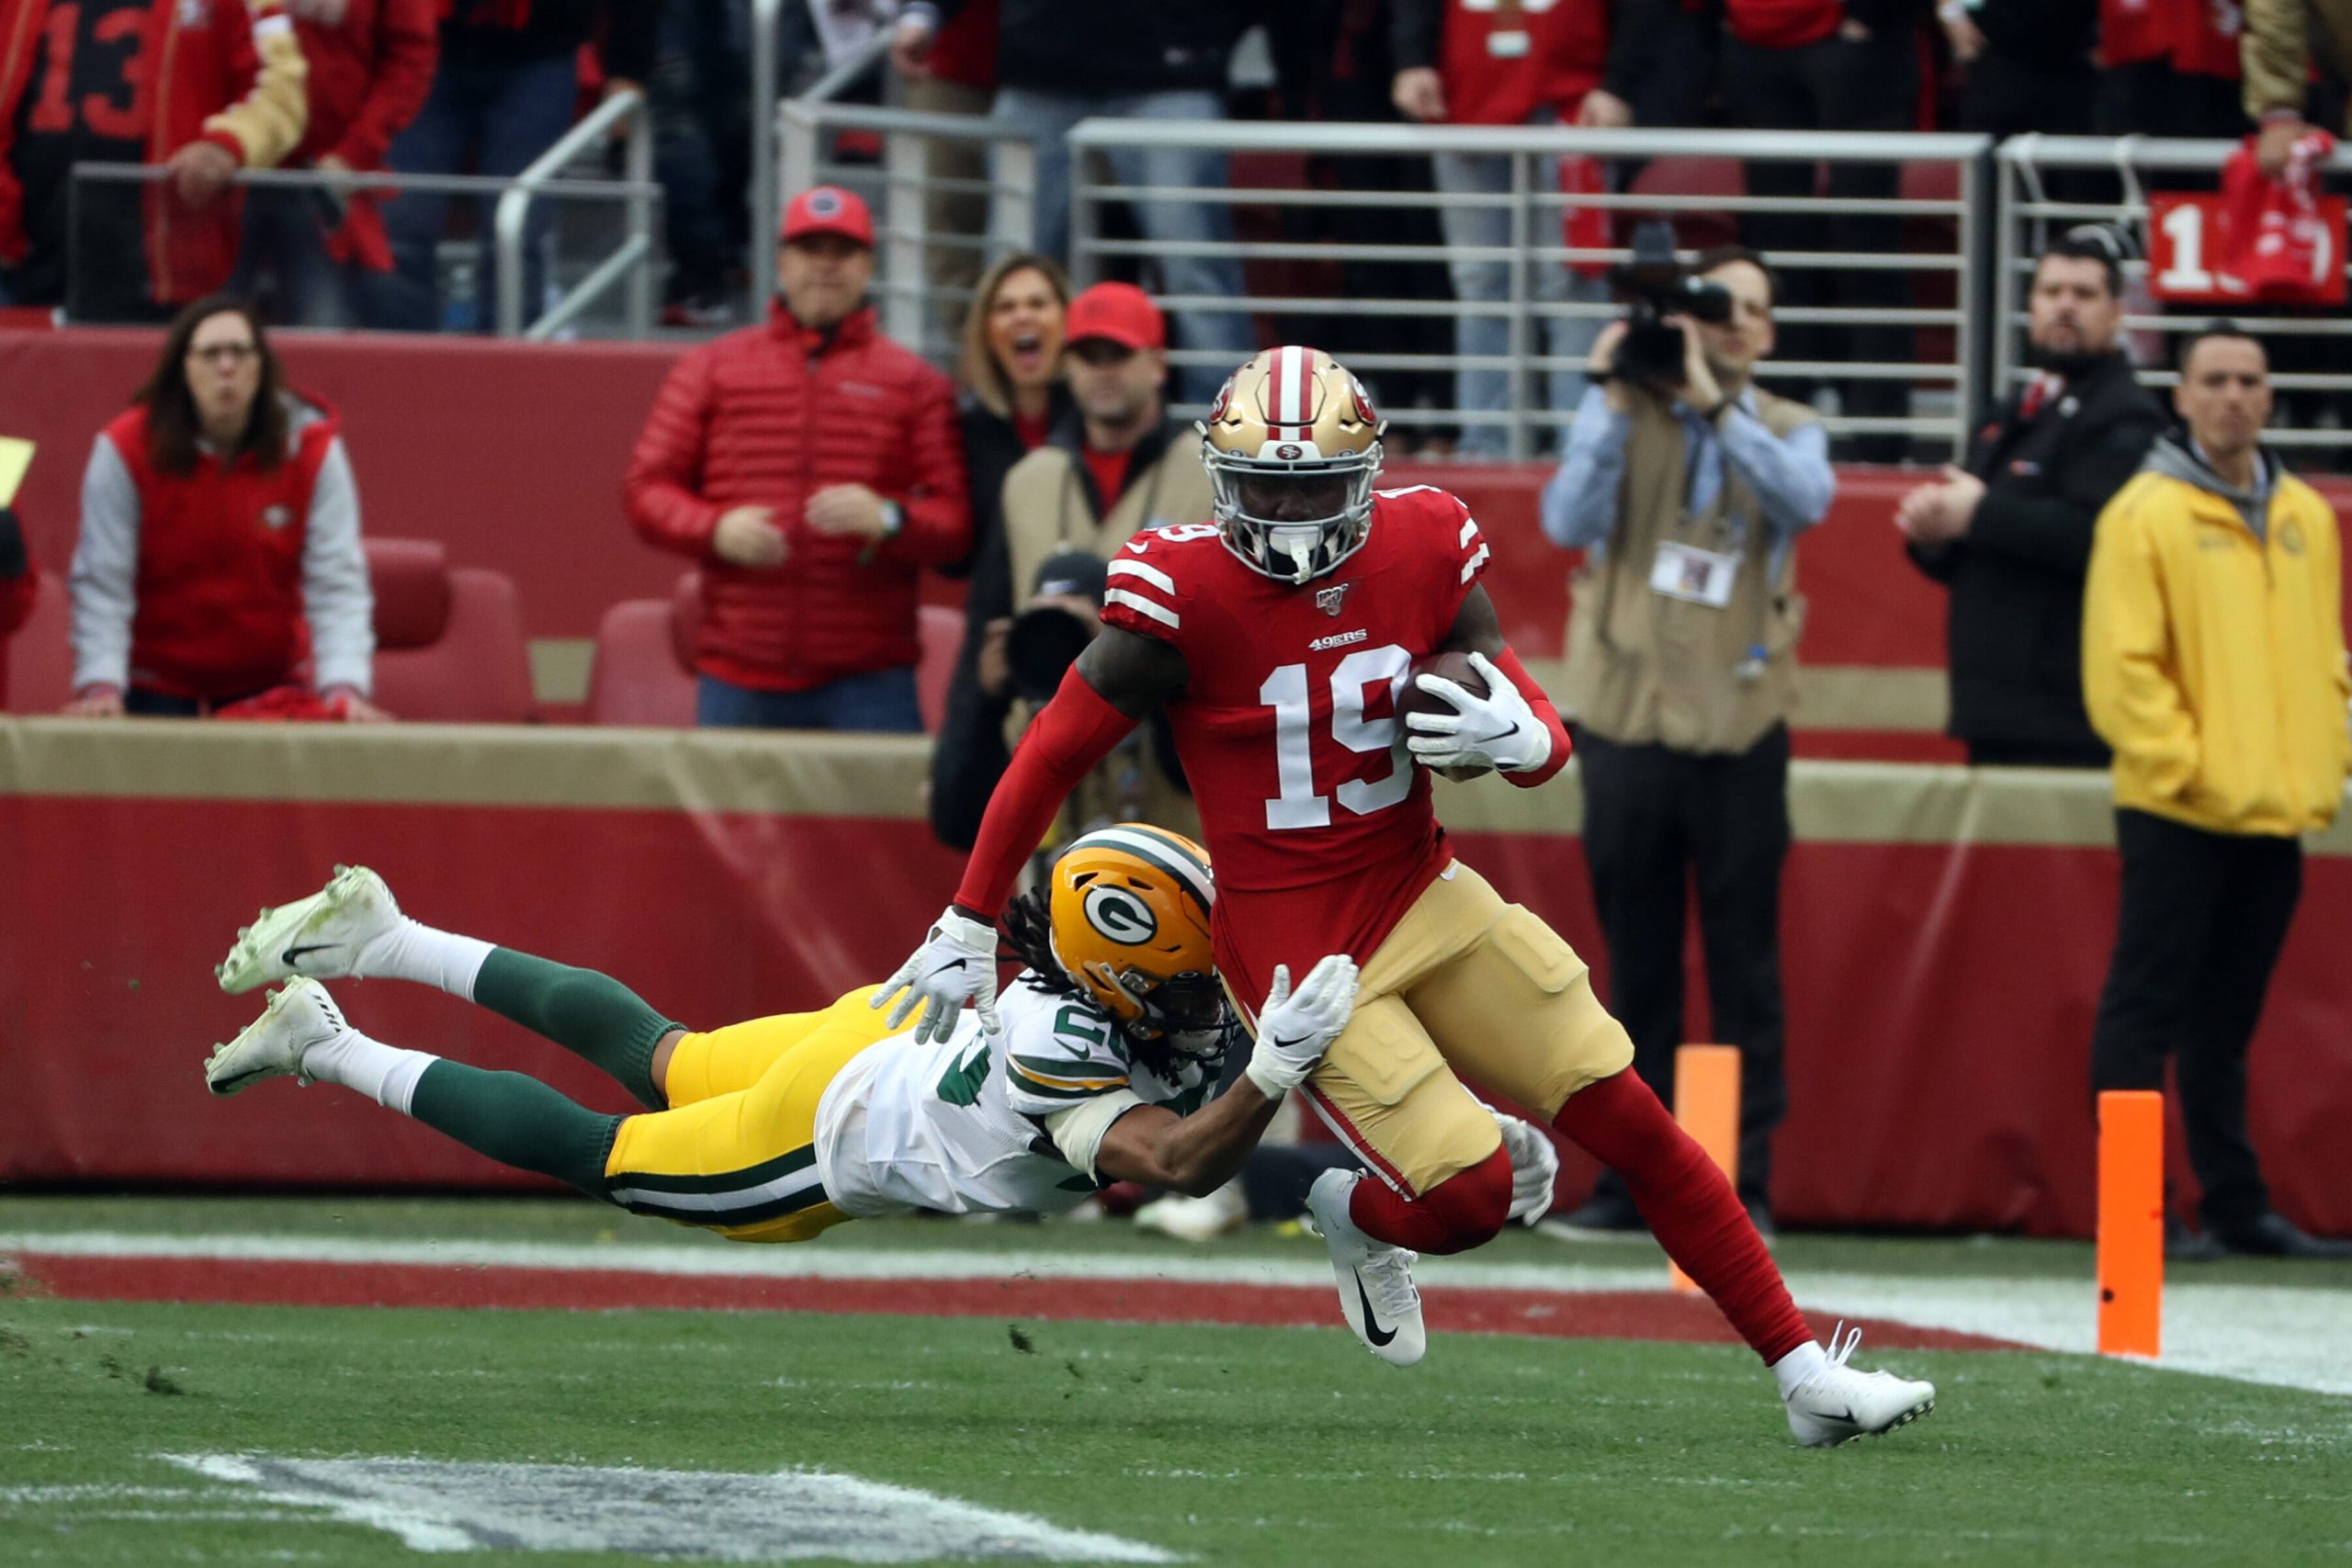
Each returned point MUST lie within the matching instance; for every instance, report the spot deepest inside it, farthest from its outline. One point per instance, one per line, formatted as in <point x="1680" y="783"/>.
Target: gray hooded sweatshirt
<point x="2175" y="456"/>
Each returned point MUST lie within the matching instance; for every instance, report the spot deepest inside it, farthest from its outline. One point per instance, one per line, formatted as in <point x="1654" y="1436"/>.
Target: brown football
<point x="1454" y="666"/>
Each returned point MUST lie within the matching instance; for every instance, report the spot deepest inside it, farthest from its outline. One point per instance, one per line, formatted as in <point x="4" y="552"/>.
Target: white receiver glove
<point x="1497" y="730"/>
<point x="955" y="964"/>
<point x="1296" y="1028"/>
<point x="1533" y="1165"/>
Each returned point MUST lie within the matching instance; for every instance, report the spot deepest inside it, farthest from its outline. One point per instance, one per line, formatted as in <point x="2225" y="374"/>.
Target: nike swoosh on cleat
<point x="1371" y="1329"/>
<point x="292" y="954"/>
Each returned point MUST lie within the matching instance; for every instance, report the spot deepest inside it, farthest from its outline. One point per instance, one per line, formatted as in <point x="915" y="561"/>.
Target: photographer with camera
<point x="1114" y="467"/>
<point x="1687" y="486"/>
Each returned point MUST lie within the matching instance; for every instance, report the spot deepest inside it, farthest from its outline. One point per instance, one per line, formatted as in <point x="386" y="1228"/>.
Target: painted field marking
<point x="704" y="1516"/>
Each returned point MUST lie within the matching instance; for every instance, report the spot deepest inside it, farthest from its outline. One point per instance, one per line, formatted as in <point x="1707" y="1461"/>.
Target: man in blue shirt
<point x="1687" y="493"/>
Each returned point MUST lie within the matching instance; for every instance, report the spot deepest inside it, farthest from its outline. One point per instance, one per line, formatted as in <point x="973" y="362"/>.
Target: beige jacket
<point x="2281" y="40"/>
<point x="1645" y="668"/>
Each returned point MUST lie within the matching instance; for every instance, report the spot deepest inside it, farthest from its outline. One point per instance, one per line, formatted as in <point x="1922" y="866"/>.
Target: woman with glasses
<point x="220" y="556"/>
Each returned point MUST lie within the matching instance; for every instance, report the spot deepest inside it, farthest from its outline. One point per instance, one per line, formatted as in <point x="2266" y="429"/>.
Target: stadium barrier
<point x="1946" y="935"/>
<point x="631" y="259"/>
<point x="2138" y="181"/>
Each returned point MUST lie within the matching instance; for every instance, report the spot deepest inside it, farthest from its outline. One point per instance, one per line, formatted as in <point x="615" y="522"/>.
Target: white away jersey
<point x="959" y="1126"/>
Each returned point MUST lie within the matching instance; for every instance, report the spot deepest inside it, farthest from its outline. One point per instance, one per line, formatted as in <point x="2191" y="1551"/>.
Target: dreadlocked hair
<point x="1029" y="932"/>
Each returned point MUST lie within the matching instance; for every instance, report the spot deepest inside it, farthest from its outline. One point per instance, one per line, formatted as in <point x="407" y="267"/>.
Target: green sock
<point x="516" y="1120"/>
<point x="590" y="1015"/>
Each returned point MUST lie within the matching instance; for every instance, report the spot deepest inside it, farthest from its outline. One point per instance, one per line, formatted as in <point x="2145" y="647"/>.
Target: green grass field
<point x="1221" y="1445"/>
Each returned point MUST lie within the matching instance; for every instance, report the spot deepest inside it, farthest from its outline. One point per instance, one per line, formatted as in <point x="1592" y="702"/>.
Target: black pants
<point x="2204" y="916"/>
<point x="1652" y="818"/>
<point x="1834" y="85"/>
<point x="2035" y="754"/>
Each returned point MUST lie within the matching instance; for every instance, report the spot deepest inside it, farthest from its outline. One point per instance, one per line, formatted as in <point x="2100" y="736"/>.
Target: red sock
<point x="1466" y="1210"/>
<point x="1690" y="1208"/>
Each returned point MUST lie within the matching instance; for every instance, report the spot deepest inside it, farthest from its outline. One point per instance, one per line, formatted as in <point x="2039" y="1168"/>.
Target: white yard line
<point x="2289" y="1336"/>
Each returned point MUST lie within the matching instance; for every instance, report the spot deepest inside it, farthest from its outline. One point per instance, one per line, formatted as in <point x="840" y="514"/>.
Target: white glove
<point x="955" y="964"/>
<point x="1497" y="730"/>
<point x="1533" y="1165"/>
<point x="1296" y="1028"/>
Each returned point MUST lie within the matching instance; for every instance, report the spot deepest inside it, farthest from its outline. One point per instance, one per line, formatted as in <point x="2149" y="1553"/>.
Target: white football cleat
<point x="1837" y="1403"/>
<point x="321" y="936"/>
<point x="1376" y="1291"/>
<point x="1197" y="1219"/>
<point x="298" y="1016"/>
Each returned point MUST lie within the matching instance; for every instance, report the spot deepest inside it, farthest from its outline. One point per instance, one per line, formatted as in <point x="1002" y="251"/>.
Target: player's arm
<point x="1200" y="1153"/>
<point x="1514" y="728"/>
<point x="1119" y="678"/>
<point x="1115" y="682"/>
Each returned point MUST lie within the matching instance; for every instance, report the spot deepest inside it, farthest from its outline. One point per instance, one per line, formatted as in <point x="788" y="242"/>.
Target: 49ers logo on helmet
<point x="1223" y="402"/>
<point x="1365" y="411"/>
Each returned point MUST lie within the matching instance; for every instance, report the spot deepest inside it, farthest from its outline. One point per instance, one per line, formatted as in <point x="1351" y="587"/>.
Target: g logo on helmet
<point x="1120" y="916"/>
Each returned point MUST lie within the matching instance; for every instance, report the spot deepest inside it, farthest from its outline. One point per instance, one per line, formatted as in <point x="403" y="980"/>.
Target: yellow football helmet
<point x="1292" y="448"/>
<point x="1129" y="913"/>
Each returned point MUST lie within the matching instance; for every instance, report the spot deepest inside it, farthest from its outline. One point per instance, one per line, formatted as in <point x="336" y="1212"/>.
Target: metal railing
<point x="635" y="257"/>
<point x="543" y="180"/>
<point x="2028" y="213"/>
<point x="1948" y="382"/>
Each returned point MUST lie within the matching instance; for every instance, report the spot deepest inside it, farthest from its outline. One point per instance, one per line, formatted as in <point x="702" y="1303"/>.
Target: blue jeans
<point x="506" y="114"/>
<point x="699" y="89"/>
<point x="880" y="700"/>
<point x="1487" y="281"/>
<point x="286" y="240"/>
<point x="1048" y="116"/>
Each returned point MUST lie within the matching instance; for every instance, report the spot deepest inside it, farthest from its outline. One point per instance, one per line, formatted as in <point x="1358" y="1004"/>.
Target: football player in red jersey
<point x="1279" y="637"/>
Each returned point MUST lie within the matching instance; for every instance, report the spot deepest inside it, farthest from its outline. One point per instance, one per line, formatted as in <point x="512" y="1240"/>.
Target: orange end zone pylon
<point x="1706" y="1105"/>
<point x="2131" y="1222"/>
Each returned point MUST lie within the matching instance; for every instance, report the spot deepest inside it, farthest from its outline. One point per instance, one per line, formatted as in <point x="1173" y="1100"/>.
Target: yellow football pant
<point x="1465" y="984"/>
<point x="735" y="1151"/>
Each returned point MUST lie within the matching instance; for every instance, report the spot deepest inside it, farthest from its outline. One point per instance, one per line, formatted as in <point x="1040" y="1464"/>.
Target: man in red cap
<point x="812" y="468"/>
<point x="1116" y="466"/>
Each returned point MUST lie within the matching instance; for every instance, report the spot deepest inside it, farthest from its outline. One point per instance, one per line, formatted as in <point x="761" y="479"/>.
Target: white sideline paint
<point x="702" y="1516"/>
<point x="2293" y="1337"/>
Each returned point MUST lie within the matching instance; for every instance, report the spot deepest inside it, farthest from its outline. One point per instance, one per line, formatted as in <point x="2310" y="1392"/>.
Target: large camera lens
<point x="1040" y="647"/>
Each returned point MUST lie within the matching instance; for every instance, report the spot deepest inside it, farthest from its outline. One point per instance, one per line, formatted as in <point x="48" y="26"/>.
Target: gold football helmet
<point x="1292" y="448"/>
<point x="1130" y="927"/>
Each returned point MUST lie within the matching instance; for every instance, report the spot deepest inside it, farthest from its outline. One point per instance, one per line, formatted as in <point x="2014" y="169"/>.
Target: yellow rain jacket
<point x="2212" y="657"/>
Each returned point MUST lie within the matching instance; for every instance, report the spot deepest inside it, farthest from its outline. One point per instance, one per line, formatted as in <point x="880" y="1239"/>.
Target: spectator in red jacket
<point x="2170" y="68"/>
<point x="205" y="87"/>
<point x="219" y="553"/>
<point x="812" y="466"/>
<point x="371" y="65"/>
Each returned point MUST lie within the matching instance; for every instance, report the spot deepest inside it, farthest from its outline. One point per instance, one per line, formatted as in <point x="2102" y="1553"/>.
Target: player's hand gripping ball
<point x="1454" y="666"/>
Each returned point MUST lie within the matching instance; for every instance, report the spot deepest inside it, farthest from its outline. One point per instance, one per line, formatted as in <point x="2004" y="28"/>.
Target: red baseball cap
<point x="829" y="209"/>
<point x="1118" y="312"/>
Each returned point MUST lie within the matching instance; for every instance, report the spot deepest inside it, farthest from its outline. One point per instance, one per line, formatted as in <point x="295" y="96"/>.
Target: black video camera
<point x="1660" y="289"/>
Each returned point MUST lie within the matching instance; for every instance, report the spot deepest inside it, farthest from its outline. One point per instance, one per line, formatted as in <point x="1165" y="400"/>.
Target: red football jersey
<point x="1316" y="819"/>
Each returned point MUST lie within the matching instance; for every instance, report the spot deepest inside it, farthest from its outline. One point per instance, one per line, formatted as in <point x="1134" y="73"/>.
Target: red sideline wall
<point x="1939" y="993"/>
<point x="512" y="453"/>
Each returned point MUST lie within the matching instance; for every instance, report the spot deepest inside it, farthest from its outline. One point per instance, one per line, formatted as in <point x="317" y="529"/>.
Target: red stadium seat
<point x="39" y="661"/>
<point x="1695" y="229"/>
<point x="643" y="670"/>
<point x="449" y="644"/>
